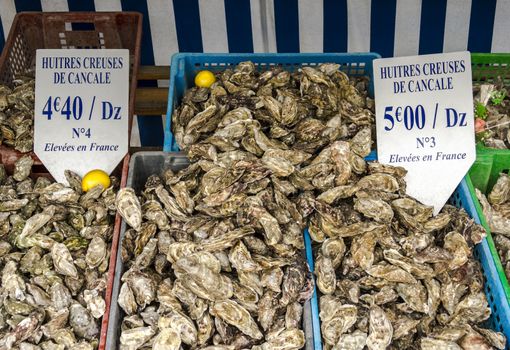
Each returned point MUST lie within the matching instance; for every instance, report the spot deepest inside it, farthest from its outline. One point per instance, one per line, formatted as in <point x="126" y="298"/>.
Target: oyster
<point x="167" y="339"/>
<point x="82" y="322"/>
<point x="381" y="330"/>
<point x="288" y="339"/>
<point x="17" y="108"/>
<point x="235" y="315"/>
<point x="129" y="207"/>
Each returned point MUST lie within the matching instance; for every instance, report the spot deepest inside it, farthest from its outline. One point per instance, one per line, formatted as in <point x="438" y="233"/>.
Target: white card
<point x="81" y="109"/>
<point x="424" y="119"/>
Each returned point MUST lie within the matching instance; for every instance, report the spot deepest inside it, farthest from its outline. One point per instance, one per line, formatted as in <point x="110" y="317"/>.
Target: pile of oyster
<point x="213" y="258"/>
<point x="390" y="273"/>
<point x="496" y="209"/>
<point x="492" y="115"/>
<point x="54" y="254"/>
<point x="17" y="114"/>
<point x="255" y="110"/>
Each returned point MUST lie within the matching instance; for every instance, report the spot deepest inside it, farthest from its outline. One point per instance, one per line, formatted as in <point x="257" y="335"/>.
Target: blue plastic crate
<point x="184" y="67"/>
<point x="500" y="316"/>
<point x="314" y="303"/>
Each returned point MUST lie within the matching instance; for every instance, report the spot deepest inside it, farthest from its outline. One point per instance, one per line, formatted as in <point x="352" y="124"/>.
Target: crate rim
<point x="179" y="55"/>
<point x="79" y="16"/>
<point x="113" y="261"/>
<point x="485" y="58"/>
<point x="481" y="149"/>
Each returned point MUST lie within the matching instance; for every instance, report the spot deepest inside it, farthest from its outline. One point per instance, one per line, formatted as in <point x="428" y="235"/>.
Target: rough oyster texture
<point x="277" y="110"/>
<point x="496" y="209"/>
<point x="390" y="283"/>
<point x="220" y="242"/>
<point x="217" y="255"/>
<point x="54" y="259"/>
<point x="17" y="113"/>
<point x="227" y="272"/>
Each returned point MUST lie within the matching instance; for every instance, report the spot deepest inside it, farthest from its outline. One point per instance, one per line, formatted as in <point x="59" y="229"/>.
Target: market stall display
<point x="389" y="272"/>
<point x="56" y="246"/>
<point x="334" y="171"/>
<point x="32" y="31"/>
<point x="211" y="274"/>
<point x="267" y="222"/>
<point x="270" y="85"/>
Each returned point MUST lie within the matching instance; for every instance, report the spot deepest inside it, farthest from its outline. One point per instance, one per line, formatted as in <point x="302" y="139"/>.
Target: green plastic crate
<point x="488" y="165"/>
<point x="483" y="174"/>
<point x="486" y="67"/>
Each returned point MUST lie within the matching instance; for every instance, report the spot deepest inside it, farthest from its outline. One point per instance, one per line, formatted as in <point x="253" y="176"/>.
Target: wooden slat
<point x="133" y="150"/>
<point x="154" y="73"/>
<point x="151" y="101"/>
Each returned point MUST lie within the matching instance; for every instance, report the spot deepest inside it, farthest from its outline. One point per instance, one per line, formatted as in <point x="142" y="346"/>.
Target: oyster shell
<point x="235" y="315"/>
<point x="129" y="208"/>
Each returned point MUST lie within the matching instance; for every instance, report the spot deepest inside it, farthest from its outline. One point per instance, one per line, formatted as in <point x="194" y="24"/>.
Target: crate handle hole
<point x="81" y="26"/>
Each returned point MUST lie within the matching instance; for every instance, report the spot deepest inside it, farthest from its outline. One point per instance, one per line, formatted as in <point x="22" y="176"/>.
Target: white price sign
<point x="424" y="118"/>
<point x="81" y="109"/>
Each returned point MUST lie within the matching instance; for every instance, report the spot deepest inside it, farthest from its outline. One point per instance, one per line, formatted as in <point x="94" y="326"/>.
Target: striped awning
<point x="388" y="27"/>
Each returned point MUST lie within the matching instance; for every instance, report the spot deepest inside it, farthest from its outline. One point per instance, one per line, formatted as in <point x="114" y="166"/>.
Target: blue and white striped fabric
<point x="389" y="27"/>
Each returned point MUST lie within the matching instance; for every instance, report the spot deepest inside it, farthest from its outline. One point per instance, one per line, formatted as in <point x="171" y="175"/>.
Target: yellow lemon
<point x="204" y="79"/>
<point x="93" y="178"/>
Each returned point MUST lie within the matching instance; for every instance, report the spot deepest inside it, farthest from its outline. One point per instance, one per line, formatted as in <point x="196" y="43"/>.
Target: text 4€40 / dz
<point x="81" y="109"/>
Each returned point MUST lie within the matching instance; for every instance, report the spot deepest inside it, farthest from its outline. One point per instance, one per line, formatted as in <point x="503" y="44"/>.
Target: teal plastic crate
<point x="500" y="310"/>
<point x="184" y="67"/>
